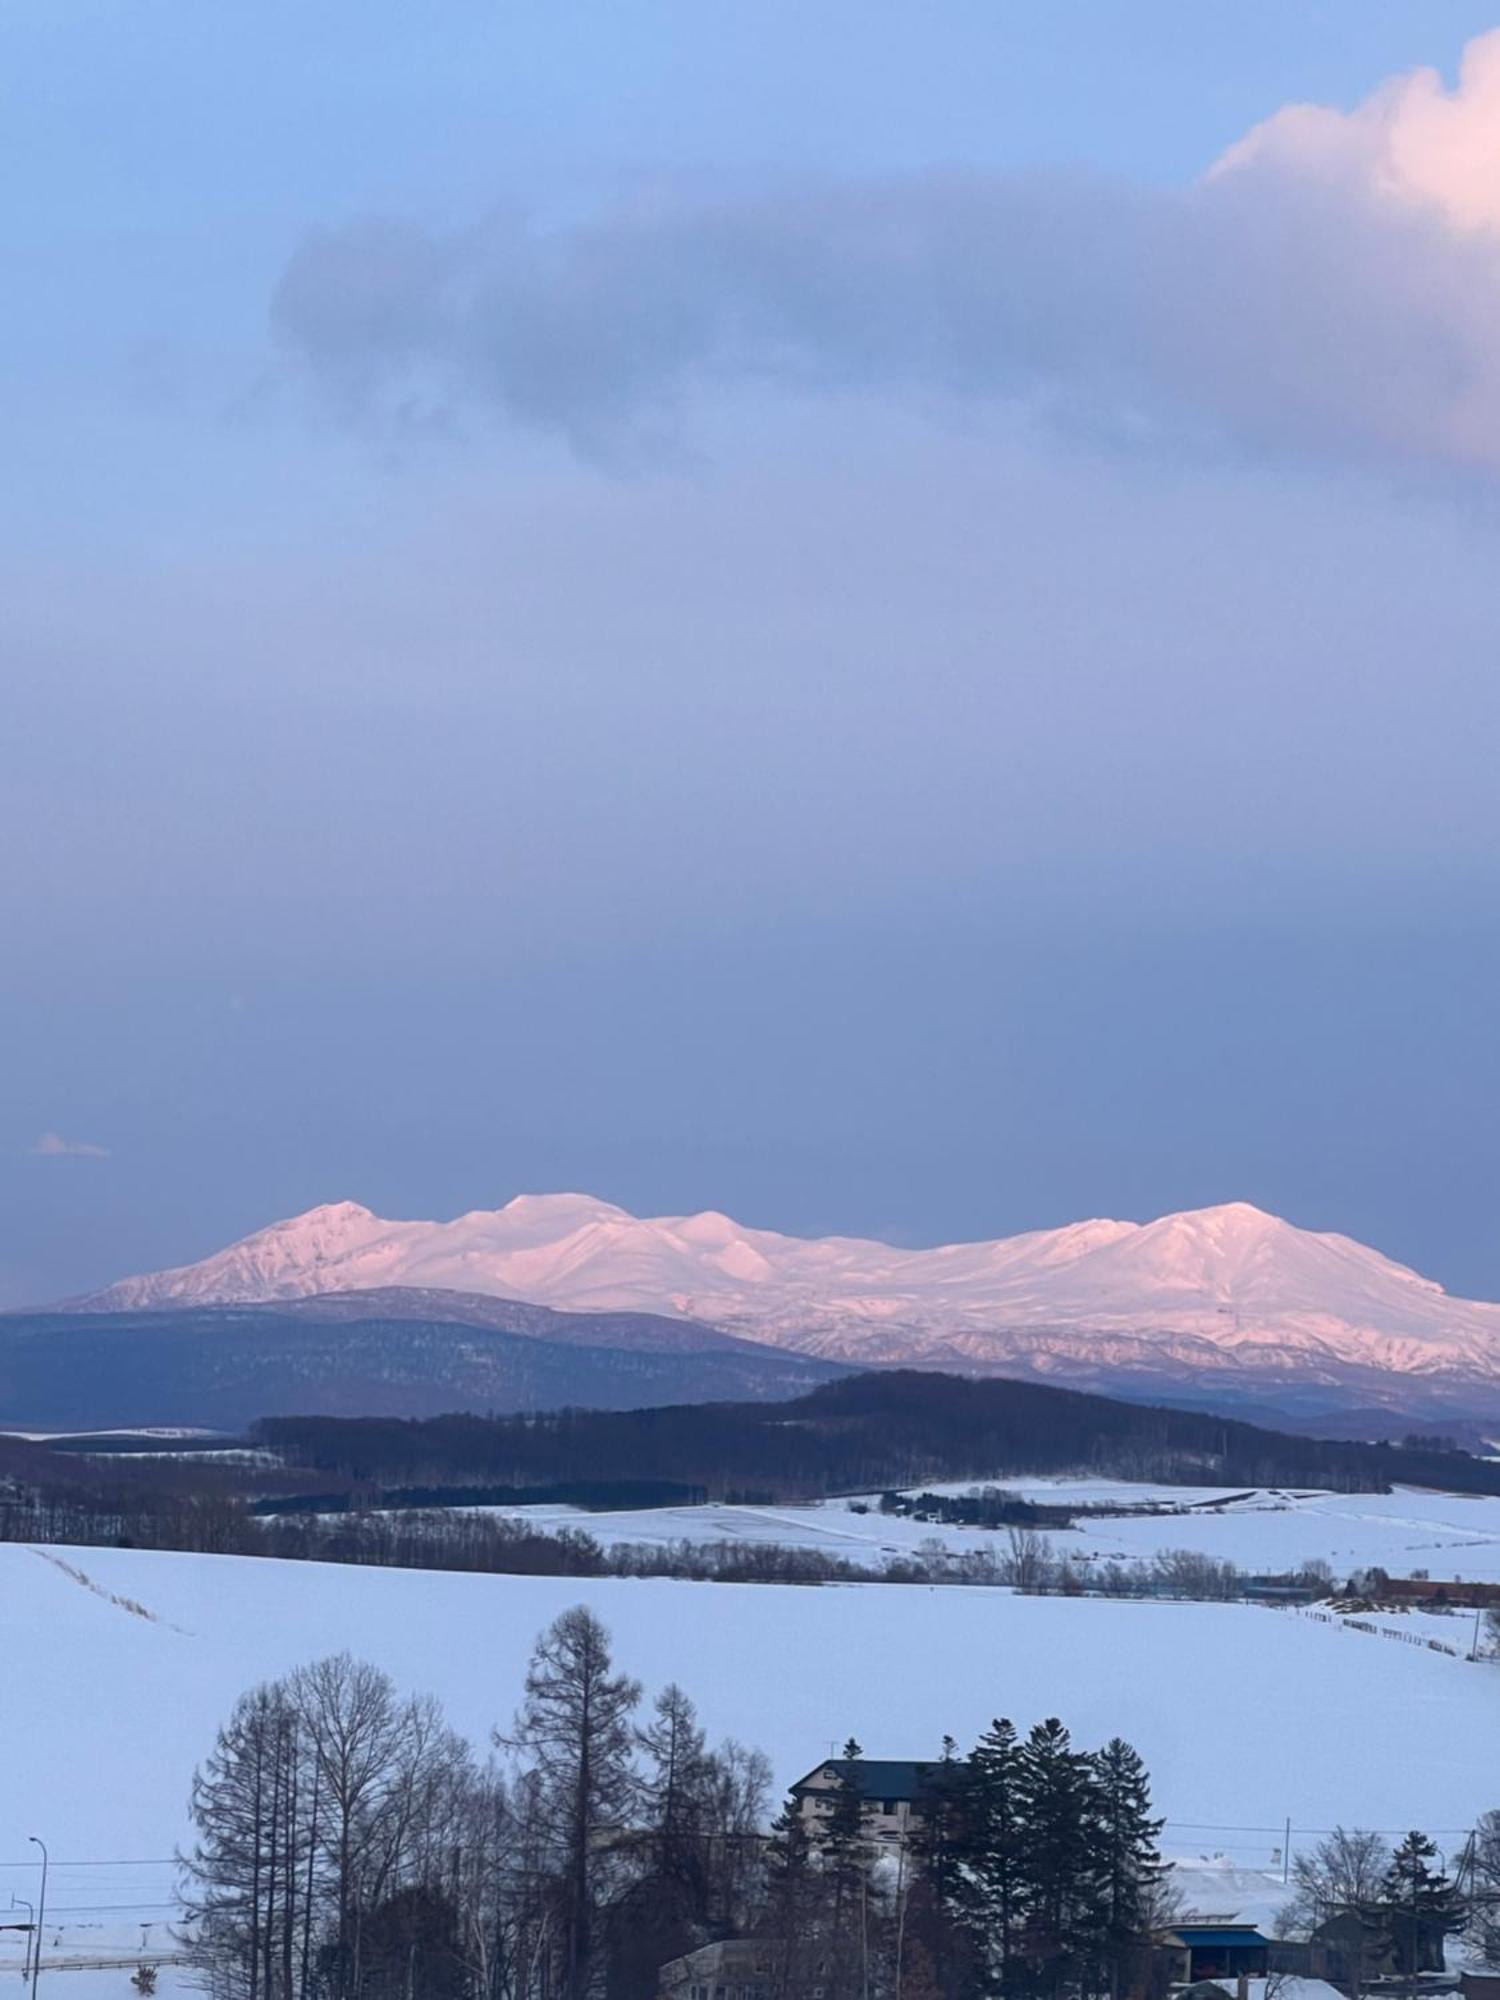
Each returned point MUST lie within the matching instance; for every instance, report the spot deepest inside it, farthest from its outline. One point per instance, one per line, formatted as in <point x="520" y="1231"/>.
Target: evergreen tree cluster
<point x="1032" y="1873"/>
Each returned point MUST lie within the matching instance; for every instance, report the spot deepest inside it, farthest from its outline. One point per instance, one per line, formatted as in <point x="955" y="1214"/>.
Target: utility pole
<point x="901" y="1905"/>
<point x="1465" y="1867"/>
<point x="41" y="1915"/>
<point x="1413" y="1977"/>
<point x="20" y="1903"/>
<point x="864" y="1929"/>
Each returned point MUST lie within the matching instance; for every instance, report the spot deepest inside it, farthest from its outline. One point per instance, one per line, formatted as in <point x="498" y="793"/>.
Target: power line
<point x="1175" y="1825"/>
<point x="97" y="1909"/>
<point x="1392" y="1832"/>
<point x="158" y="1861"/>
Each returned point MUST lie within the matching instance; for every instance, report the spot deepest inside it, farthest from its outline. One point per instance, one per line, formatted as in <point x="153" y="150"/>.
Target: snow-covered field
<point x="1270" y="1531"/>
<point x="1449" y="1535"/>
<point x="117" y="1665"/>
<point x="114" y="1679"/>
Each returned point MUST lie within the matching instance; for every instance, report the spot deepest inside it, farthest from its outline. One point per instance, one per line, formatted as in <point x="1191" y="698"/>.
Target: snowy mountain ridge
<point x="1200" y="1292"/>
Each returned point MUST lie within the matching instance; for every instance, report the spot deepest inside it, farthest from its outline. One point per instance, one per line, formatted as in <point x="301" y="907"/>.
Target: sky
<point x="880" y="617"/>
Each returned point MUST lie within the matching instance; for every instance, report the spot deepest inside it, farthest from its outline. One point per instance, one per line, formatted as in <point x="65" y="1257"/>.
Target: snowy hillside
<point x="122" y="1677"/>
<point x="118" y="1665"/>
<point x="1215" y="1296"/>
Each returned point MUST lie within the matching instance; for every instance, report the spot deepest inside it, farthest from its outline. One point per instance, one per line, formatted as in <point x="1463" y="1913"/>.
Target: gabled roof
<point x="875" y="1777"/>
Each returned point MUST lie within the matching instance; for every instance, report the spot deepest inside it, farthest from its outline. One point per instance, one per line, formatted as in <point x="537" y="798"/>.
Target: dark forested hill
<point x="866" y="1433"/>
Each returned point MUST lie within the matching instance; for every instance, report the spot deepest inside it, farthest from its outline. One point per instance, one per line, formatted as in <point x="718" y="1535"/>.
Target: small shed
<point x="1216" y="1951"/>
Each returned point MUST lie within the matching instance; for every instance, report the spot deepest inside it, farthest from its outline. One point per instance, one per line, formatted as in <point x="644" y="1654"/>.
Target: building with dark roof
<point x="891" y="1792"/>
<point x="735" y="1969"/>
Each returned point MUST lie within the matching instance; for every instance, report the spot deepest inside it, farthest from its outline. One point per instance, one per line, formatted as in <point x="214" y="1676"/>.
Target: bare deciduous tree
<point x="1345" y="1872"/>
<point x="1029" y="1564"/>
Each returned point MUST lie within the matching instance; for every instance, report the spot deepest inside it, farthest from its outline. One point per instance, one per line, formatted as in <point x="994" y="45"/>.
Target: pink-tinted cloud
<point x="1413" y="141"/>
<point x="1329" y="289"/>
<point x="53" y="1146"/>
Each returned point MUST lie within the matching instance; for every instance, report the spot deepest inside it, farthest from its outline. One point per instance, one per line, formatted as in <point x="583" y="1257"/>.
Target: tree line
<point x="475" y="1541"/>
<point x="867" y="1433"/>
<point x="349" y="1845"/>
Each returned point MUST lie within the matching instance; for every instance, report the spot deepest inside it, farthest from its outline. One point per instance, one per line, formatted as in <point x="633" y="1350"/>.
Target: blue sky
<point x="791" y="609"/>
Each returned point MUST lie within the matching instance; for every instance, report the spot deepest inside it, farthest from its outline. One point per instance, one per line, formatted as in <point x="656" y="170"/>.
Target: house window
<point x="888" y="1806"/>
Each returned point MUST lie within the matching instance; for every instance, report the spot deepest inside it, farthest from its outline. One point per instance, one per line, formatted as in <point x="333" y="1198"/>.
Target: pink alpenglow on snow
<point x="1206" y="1290"/>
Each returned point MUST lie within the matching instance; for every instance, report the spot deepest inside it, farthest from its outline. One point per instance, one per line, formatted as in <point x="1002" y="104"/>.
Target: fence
<point x="1385" y="1632"/>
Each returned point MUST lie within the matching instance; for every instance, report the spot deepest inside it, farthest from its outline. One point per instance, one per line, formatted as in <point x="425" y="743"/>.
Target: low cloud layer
<point x="1329" y="289"/>
<point x="53" y="1146"/>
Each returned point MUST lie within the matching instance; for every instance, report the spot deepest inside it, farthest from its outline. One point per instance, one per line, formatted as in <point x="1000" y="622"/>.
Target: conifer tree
<point x="939" y="1935"/>
<point x="844" y="1853"/>
<point x="792" y="1904"/>
<point x="1420" y="1904"/>
<point x="1129" y="1864"/>
<point x="992" y="1841"/>
<point x="1061" y="1889"/>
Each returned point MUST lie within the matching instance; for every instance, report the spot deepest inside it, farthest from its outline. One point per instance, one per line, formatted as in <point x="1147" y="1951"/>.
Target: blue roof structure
<point x="1204" y="1937"/>
<point x="876" y="1777"/>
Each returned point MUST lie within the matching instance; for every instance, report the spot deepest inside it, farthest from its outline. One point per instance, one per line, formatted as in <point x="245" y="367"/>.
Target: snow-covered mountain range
<point x="1209" y="1298"/>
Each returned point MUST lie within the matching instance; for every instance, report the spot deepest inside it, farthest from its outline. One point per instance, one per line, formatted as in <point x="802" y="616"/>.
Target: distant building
<point x="891" y="1792"/>
<point x="1354" y="1947"/>
<point x="735" y="1969"/>
<point x="1440" y="1591"/>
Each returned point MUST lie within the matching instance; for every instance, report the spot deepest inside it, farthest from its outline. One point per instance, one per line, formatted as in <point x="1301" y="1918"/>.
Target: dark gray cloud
<point x="1266" y="308"/>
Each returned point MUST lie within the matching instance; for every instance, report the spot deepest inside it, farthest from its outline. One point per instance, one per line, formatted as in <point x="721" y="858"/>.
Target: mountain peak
<point x="330" y="1212"/>
<point x="562" y="1204"/>
<point x="1225" y="1217"/>
<point x="1195" y="1292"/>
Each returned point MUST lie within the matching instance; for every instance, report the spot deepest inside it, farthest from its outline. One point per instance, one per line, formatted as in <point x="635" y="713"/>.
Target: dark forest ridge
<point x="867" y="1433"/>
